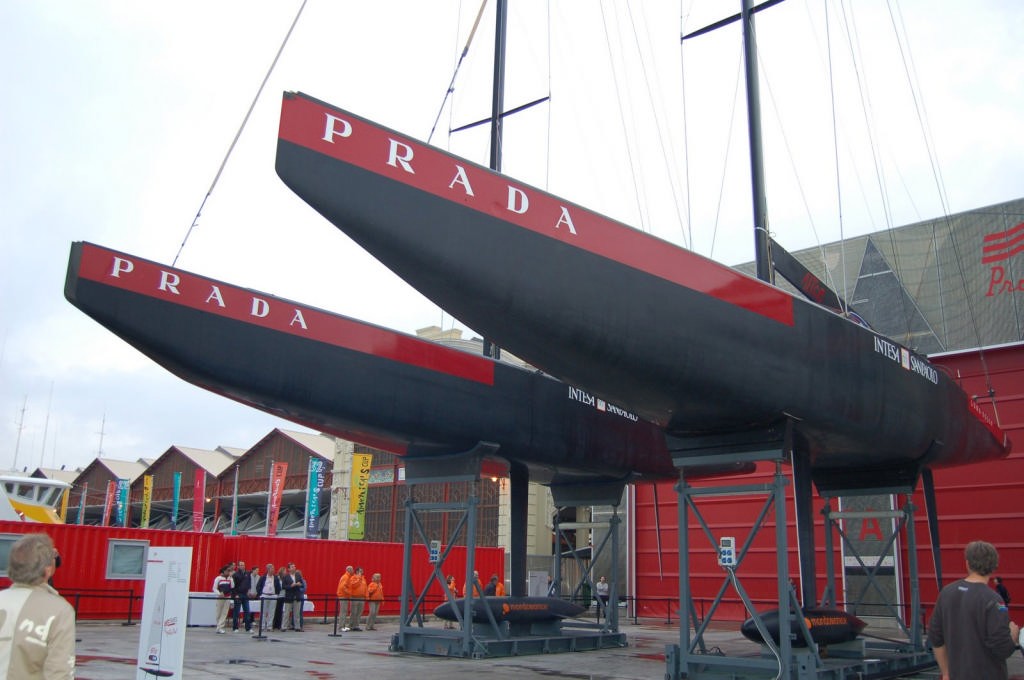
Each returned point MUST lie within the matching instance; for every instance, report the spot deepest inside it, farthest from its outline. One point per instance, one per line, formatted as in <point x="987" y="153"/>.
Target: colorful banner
<point x="64" y="505"/>
<point x="198" y="499"/>
<point x="357" y="496"/>
<point x="177" y="500"/>
<point x="123" y="512"/>
<point x="147" y="500"/>
<point x="108" y="502"/>
<point x="81" y="502"/>
<point x="315" y="482"/>
<point x="234" y="505"/>
<point x="277" y="475"/>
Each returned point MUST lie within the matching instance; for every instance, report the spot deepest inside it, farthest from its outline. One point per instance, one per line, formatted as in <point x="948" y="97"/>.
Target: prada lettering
<point x="172" y="283"/>
<point x="400" y="155"/>
<point x="999" y="283"/>
<point x="904" y="358"/>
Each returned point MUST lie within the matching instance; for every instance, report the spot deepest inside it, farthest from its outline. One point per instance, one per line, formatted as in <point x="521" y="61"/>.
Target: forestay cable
<point x="195" y="220"/>
<point x="451" y="85"/>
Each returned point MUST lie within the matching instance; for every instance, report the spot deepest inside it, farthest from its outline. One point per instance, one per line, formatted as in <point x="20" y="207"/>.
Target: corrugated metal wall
<point x="84" y="553"/>
<point x="974" y="502"/>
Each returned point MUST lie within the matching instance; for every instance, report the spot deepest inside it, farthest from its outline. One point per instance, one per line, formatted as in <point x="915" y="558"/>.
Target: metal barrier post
<point x="259" y="636"/>
<point x="337" y="612"/>
<point x="131" y="601"/>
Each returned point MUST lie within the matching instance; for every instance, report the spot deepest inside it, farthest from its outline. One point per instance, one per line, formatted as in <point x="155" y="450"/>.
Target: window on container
<point x="127" y="559"/>
<point x="6" y="541"/>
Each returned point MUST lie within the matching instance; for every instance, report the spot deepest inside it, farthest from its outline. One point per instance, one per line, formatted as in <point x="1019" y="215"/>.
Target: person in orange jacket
<point x="375" y="595"/>
<point x="357" y="593"/>
<point x="475" y="584"/>
<point x="344" y="601"/>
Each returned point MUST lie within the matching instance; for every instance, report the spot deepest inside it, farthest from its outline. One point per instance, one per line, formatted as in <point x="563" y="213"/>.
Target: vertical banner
<point x="161" y="651"/>
<point x="177" y="500"/>
<point x="124" y="514"/>
<point x="198" y="499"/>
<point x="277" y="475"/>
<point x="81" y="502"/>
<point x="108" y="502"/>
<point x="147" y="500"/>
<point x="357" y="496"/>
<point x="315" y="483"/>
<point x="234" y="506"/>
<point x="64" y="505"/>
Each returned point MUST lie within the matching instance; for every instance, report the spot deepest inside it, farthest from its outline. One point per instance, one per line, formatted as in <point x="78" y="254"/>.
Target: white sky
<point x="117" y="115"/>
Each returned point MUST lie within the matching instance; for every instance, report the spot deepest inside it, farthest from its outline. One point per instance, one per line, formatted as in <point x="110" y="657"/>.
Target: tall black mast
<point x="762" y="253"/>
<point x="497" y="111"/>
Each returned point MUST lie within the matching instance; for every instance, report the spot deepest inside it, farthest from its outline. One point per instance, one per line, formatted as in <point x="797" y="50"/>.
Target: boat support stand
<point x="471" y="640"/>
<point x="691" y="658"/>
<point x="592" y="494"/>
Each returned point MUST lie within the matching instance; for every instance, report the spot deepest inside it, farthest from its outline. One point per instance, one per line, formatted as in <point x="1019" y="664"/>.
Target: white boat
<point x="31" y="499"/>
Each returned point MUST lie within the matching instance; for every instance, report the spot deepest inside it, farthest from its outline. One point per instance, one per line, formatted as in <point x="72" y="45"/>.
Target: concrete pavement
<point x="107" y="651"/>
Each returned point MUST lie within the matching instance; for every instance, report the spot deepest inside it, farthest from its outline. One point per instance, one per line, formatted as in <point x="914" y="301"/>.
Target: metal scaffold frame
<point x="860" y="658"/>
<point x="474" y="639"/>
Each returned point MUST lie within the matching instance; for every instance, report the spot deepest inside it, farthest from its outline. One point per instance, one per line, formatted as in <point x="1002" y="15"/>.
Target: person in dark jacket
<point x="1000" y="588"/>
<point x="970" y="630"/>
<point x="288" y="587"/>
<point x="240" y="595"/>
<point x="279" y="608"/>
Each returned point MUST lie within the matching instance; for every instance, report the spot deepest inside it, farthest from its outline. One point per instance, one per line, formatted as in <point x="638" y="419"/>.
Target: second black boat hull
<point x="359" y="381"/>
<point x="511" y="609"/>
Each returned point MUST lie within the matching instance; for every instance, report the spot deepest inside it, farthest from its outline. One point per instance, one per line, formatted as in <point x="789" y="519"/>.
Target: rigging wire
<point x="853" y="46"/>
<point x="547" y="132"/>
<point x="914" y="86"/>
<point x="622" y="116"/>
<point x="800" y="186"/>
<point x="195" y="220"/>
<point x="455" y="74"/>
<point x="910" y="73"/>
<point x="643" y="198"/>
<point x="728" y="148"/>
<point x="835" y="155"/>
<point x="451" y="109"/>
<point x="658" y="123"/>
<point x="686" y="133"/>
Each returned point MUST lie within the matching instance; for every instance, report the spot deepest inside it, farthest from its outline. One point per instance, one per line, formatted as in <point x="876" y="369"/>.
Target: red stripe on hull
<point x="143" y="277"/>
<point x="353" y="140"/>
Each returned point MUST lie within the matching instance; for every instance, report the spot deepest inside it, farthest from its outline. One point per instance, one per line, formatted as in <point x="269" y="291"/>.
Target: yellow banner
<point x="147" y="500"/>
<point x="357" y="495"/>
<point x="64" y="505"/>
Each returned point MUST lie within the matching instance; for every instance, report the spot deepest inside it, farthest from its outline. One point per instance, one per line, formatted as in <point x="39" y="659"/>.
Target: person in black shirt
<point x="240" y="594"/>
<point x="970" y="630"/>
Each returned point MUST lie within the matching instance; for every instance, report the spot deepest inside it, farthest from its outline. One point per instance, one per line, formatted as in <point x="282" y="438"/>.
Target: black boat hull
<point x="359" y="381"/>
<point x="686" y="343"/>
<point x="511" y="609"/>
<point x="826" y="626"/>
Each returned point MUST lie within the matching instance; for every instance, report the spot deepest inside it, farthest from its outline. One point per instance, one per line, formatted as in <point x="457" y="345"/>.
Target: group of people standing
<point x="280" y="594"/>
<point x="354" y="591"/>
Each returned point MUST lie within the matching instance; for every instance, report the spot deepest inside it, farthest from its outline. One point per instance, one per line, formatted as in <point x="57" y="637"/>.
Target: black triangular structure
<point x="881" y="299"/>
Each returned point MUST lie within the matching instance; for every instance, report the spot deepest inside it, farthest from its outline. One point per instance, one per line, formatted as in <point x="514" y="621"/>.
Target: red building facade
<point x="980" y="501"/>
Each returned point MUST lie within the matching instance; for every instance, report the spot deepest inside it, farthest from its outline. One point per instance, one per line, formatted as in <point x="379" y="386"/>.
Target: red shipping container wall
<point x="980" y="501"/>
<point x="82" y="576"/>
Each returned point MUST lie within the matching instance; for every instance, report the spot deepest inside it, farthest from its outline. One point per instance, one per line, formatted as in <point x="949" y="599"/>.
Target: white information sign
<point x="164" y="613"/>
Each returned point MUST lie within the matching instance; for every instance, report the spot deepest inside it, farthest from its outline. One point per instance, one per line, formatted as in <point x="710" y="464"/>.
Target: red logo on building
<point x="999" y="246"/>
<point x="1002" y="244"/>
